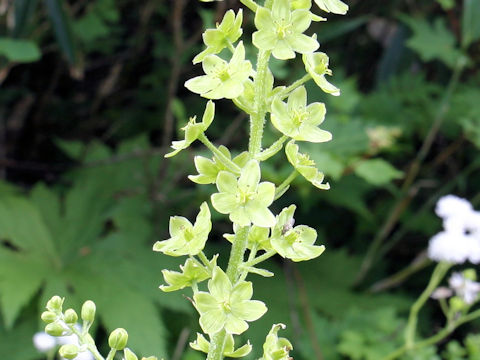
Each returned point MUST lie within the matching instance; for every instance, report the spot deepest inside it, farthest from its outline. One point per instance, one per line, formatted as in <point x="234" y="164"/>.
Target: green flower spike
<point x="202" y="344"/>
<point x="186" y="239"/>
<point x="316" y="65"/>
<point x="226" y="306"/>
<point x="276" y="348"/>
<point x="246" y="200"/>
<point x="295" y="243"/>
<point x="257" y="237"/>
<point x="222" y="79"/>
<point x="193" y="130"/>
<point x="334" y="6"/>
<point x="299" y="121"/>
<point x="281" y="30"/>
<point x="227" y="32"/>
<point x="209" y="169"/>
<point x="192" y="273"/>
<point x="305" y="166"/>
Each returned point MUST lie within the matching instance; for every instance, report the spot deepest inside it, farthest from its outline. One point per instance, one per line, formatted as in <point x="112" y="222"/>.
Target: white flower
<point x="452" y="205"/>
<point x="44" y="342"/>
<point x="467" y="223"/>
<point x="450" y="247"/>
<point x="85" y="355"/>
<point x="464" y="288"/>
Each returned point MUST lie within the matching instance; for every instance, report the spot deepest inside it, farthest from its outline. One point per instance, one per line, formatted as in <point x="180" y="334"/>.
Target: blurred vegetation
<point x="91" y="97"/>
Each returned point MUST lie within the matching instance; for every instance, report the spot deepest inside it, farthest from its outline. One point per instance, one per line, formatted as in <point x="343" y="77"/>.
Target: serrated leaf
<point x="21" y="51"/>
<point x="470" y="23"/>
<point x="377" y="171"/>
<point x="432" y="42"/>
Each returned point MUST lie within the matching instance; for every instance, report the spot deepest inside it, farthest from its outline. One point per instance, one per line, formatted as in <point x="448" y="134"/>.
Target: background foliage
<point x="92" y="94"/>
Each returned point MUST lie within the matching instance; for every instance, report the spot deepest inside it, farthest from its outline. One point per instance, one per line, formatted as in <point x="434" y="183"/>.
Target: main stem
<point x="217" y="342"/>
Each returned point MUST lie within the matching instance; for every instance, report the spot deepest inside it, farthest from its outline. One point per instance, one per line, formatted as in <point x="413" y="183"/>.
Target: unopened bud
<point x="54" y="329"/>
<point x="48" y="317"/>
<point x="470" y="274"/>
<point x="129" y="355"/>
<point x="70" y="316"/>
<point x="118" y="339"/>
<point x="69" y="351"/>
<point x="55" y="304"/>
<point x="88" y="311"/>
<point x="456" y="304"/>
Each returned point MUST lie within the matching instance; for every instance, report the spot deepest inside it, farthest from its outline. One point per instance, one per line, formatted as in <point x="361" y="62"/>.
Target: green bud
<point x="88" y="311"/>
<point x="54" y="329"/>
<point x="456" y="304"/>
<point x="470" y="274"/>
<point x="55" y="304"/>
<point x="129" y="355"/>
<point x="118" y="339"/>
<point x="69" y="351"/>
<point x="48" y="317"/>
<point x="71" y="316"/>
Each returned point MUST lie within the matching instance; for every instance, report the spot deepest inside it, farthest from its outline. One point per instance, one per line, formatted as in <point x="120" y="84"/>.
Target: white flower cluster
<point x="460" y="239"/>
<point x="464" y="288"/>
<point x="44" y="343"/>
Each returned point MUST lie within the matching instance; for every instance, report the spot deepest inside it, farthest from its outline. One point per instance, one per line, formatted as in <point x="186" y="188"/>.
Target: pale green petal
<point x="212" y="63"/>
<point x="283" y="50"/>
<point x="208" y="114"/>
<point x="241" y="292"/>
<point x="234" y="325"/>
<point x="281" y="10"/>
<point x="224" y="203"/>
<point x="230" y="89"/>
<point x="202" y="179"/>
<point x="265" y="193"/>
<point x="227" y="182"/>
<point x="308" y="235"/>
<point x="334" y="6"/>
<point x="259" y="215"/>
<point x="250" y="310"/>
<point x="241" y="351"/>
<point x="263" y="19"/>
<point x="200" y="344"/>
<point x="238" y="55"/>
<point x="301" y="20"/>
<point x="203" y="224"/>
<point x="302" y="252"/>
<point x="239" y="216"/>
<point x="313" y="134"/>
<point x="279" y="108"/>
<point x="204" y="302"/>
<point x="250" y="176"/>
<point x="302" y="43"/>
<point x="326" y="86"/>
<point x="202" y="84"/>
<point x="219" y="285"/>
<point x="317" y="113"/>
<point x="264" y="39"/>
<point x="297" y="99"/>
<point x="212" y="321"/>
<point x="178" y="225"/>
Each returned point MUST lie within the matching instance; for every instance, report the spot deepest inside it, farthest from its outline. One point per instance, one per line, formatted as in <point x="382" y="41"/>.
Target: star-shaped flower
<point x="202" y="344"/>
<point x="316" y="65"/>
<point x="281" y="30"/>
<point x="246" y="199"/>
<point x="222" y="79"/>
<point x="294" y="243"/>
<point x="276" y="348"/>
<point x="297" y="120"/>
<point x="305" y="166"/>
<point x="226" y="306"/>
<point x="186" y="239"/>
<point x="191" y="273"/>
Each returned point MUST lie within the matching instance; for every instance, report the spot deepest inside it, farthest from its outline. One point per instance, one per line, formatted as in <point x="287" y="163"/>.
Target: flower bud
<point x="88" y="311"/>
<point x="470" y="274"/>
<point x="456" y="304"/>
<point x="129" y="355"/>
<point x="54" y="329"/>
<point x="55" y="304"/>
<point x="69" y="351"/>
<point x="118" y="339"/>
<point x="70" y="316"/>
<point x="48" y="317"/>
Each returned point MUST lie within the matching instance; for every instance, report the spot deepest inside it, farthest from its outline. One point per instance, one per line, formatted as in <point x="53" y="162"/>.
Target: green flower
<point x="201" y="344"/>
<point x="295" y="243"/>
<point x="297" y="120"/>
<point x="192" y="273"/>
<point x="276" y="348"/>
<point x="222" y="79"/>
<point x="226" y="306"/>
<point x="209" y="169"/>
<point x="186" y="239"/>
<point x="193" y="130"/>
<point x="257" y="237"/>
<point x="316" y="65"/>
<point x="227" y="32"/>
<point x="246" y="200"/>
<point x="281" y="30"/>
<point x="305" y="166"/>
<point x="334" y="6"/>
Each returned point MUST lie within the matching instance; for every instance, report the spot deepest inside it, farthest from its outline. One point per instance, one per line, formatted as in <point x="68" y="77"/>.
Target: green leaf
<point x="17" y="344"/>
<point x="432" y="42"/>
<point x="62" y="28"/>
<point x="22" y="51"/>
<point x="470" y="23"/>
<point x="377" y="171"/>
